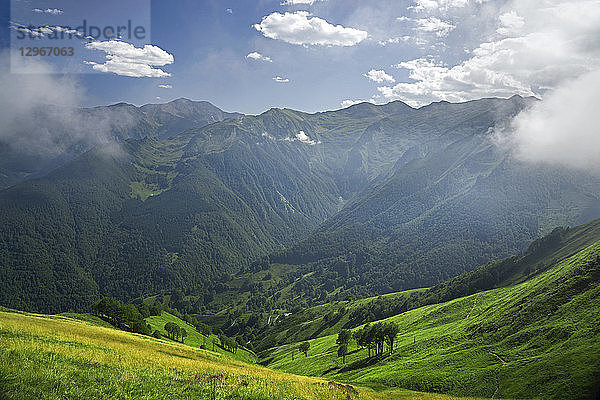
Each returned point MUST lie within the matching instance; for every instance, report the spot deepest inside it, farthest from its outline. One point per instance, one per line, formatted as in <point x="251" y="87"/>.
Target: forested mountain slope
<point x="459" y="204"/>
<point x="48" y="136"/>
<point x="424" y="195"/>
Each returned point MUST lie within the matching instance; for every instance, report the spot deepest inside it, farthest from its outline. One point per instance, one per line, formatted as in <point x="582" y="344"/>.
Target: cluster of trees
<point x="122" y="316"/>
<point x="229" y="344"/>
<point x="375" y="337"/>
<point x="175" y="332"/>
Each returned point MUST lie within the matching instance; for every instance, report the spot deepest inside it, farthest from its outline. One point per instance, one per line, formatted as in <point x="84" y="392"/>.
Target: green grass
<point x="545" y="330"/>
<point x="196" y="339"/>
<point x="321" y="320"/>
<point x="87" y="317"/>
<point x="53" y="357"/>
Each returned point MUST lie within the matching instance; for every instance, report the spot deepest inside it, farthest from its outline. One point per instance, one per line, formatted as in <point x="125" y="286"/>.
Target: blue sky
<point x="322" y="54"/>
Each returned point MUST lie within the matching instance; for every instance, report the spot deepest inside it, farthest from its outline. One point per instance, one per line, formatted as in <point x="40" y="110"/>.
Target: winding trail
<point x="498" y="357"/>
<point x="473" y="307"/>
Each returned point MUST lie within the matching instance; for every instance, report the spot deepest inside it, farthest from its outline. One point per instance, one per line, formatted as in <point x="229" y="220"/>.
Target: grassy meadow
<point x="56" y="357"/>
<point x="538" y="339"/>
<point x="196" y="339"/>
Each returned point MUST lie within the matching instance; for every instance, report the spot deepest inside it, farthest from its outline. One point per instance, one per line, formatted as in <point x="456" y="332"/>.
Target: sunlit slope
<point x="196" y="339"/>
<point x="50" y="357"/>
<point x="538" y="339"/>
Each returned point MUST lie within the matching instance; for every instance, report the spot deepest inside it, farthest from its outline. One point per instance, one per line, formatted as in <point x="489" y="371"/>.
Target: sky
<point x="313" y="55"/>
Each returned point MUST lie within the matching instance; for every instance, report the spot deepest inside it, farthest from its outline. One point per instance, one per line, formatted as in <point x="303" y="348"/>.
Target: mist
<point x="562" y="129"/>
<point x="43" y="125"/>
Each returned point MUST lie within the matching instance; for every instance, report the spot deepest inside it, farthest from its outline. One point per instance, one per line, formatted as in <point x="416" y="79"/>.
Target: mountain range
<point x="340" y="204"/>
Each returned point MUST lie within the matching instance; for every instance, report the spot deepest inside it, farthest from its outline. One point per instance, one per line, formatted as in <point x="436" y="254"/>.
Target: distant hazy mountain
<point x="424" y="195"/>
<point x="49" y="136"/>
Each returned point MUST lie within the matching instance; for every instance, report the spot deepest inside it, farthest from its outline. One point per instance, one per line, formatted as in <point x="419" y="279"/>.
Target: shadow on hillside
<point x="266" y="362"/>
<point x="366" y="362"/>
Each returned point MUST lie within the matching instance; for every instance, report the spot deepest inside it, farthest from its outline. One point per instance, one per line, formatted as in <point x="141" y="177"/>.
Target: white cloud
<point x="280" y="79"/>
<point x="379" y="76"/>
<point x="165" y="86"/>
<point x="348" y="103"/>
<point x="394" y="40"/>
<point x="430" y="25"/>
<point x="259" y="57"/>
<point x="556" y="43"/>
<point x="295" y="2"/>
<point x="442" y="5"/>
<point x="127" y="60"/>
<point x="510" y="23"/>
<point x="434" y="25"/>
<point x="302" y="29"/>
<point x="51" y="11"/>
<point x="302" y="137"/>
<point x="562" y="129"/>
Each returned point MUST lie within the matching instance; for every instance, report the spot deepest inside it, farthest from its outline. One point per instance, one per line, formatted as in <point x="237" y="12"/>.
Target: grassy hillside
<point x="537" y="339"/>
<point x="52" y="357"/>
<point x="196" y="339"/>
<point x="282" y="319"/>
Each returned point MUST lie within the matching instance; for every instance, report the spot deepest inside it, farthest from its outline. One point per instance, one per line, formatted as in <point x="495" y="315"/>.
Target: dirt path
<point x="472" y="308"/>
<point x="498" y="357"/>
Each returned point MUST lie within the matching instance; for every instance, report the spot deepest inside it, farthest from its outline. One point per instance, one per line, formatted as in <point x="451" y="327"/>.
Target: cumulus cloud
<point x="379" y="76"/>
<point x="434" y="25"/>
<point x="259" y="57"/>
<point x="510" y="23"/>
<point x="301" y="29"/>
<point x="555" y="44"/>
<point x="125" y="59"/>
<point x="165" y="86"/>
<point x="51" y="11"/>
<point x="562" y="129"/>
<point x="279" y="79"/>
<point x="348" y="103"/>
<point x="302" y="137"/>
<point x="430" y="25"/>
<point x="442" y="5"/>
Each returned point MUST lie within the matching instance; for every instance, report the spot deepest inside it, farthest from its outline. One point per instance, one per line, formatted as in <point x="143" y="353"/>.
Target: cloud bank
<point x="41" y="119"/>
<point x="562" y="129"/>
<point x="535" y="48"/>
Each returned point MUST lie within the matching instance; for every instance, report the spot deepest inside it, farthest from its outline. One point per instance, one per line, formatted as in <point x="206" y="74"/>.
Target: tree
<point x="304" y="346"/>
<point x="344" y="337"/>
<point x="342" y="351"/>
<point x="390" y="332"/>
<point x="172" y="330"/>
<point x="182" y="333"/>
<point x="202" y="328"/>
